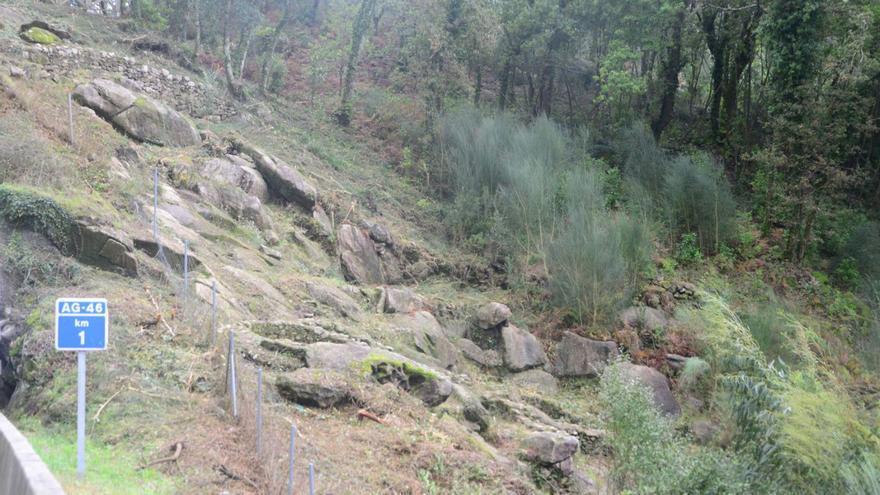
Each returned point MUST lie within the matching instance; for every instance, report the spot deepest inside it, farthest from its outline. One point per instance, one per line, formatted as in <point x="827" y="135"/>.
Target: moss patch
<point x="41" y="36"/>
<point x="383" y="366"/>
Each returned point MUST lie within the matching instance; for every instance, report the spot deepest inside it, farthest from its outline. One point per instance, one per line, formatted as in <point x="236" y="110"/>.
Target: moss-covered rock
<point x="424" y="383"/>
<point x="40" y="36"/>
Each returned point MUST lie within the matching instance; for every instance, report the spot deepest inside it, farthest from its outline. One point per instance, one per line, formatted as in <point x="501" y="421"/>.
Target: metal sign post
<point x="81" y="325"/>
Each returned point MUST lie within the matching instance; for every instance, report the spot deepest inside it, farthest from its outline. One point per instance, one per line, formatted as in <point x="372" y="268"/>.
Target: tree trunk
<point x="198" y="43"/>
<point x="313" y="12"/>
<point x="717" y="45"/>
<point x="672" y="65"/>
<point x="244" y="54"/>
<point x="276" y="35"/>
<point x="548" y="73"/>
<point x="504" y="85"/>
<point x="361" y="23"/>
<point x="478" y="86"/>
<point x="228" y="68"/>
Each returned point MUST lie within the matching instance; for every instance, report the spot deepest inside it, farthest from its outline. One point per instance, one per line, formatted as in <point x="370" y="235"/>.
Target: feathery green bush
<point x="531" y="189"/>
<point x="862" y="475"/>
<point x="649" y="458"/>
<point x="697" y="199"/>
<point x="688" y="192"/>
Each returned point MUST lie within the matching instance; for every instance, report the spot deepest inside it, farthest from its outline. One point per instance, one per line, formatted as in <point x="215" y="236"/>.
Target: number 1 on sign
<point x="82" y="337"/>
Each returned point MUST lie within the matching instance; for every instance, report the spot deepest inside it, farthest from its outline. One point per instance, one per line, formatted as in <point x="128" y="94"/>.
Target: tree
<point x="273" y="44"/>
<point x="730" y="30"/>
<point x="671" y="66"/>
<point x="359" y="27"/>
<point x="234" y="86"/>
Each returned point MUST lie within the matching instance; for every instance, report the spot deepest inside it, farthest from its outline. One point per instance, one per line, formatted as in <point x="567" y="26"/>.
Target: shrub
<point x="694" y="375"/>
<point x="862" y="252"/>
<point x="869" y="348"/>
<point x="768" y="323"/>
<point x="528" y="190"/>
<point x="862" y="476"/>
<point x="689" y="192"/>
<point x="688" y="252"/>
<point x="474" y="148"/>
<point x="277" y="74"/>
<point x="697" y="199"/>
<point x="22" y="208"/>
<point x="790" y="430"/>
<point x="819" y="430"/>
<point x="587" y="270"/>
<point x="648" y="457"/>
<point x="595" y="262"/>
<point x="724" y="341"/>
<point x="642" y="160"/>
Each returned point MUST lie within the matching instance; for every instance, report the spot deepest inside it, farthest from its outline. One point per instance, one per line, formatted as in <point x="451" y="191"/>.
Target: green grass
<point x="110" y="469"/>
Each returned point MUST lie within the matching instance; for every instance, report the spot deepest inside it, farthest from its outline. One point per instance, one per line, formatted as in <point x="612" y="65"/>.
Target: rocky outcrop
<point x="139" y="116"/>
<point x="238" y="172"/>
<point x="10" y="329"/>
<point x="578" y="356"/>
<point x="172" y="256"/>
<point x="237" y="203"/>
<point x="643" y="318"/>
<point x="491" y="315"/>
<point x="522" y="350"/>
<point x="428" y="337"/>
<point x="656" y="382"/>
<point x="315" y="388"/>
<point x="283" y="180"/>
<point x="360" y="261"/>
<point x="336" y="299"/>
<point x="488" y="358"/>
<point x="106" y="248"/>
<point x="538" y="380"/>
<point x="39" y="35"/>
<point x="404" y="300"/>
<point x="550" y="447"/>
<point x="425" y="383"/>
<point x="432" y="391"/>
<point x="58" y="33"/>
<point x="378" y="232"/>
<point x="336" y="356"/>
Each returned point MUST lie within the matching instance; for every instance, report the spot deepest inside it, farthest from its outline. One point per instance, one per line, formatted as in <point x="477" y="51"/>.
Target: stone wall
<point x="69" y="61"/>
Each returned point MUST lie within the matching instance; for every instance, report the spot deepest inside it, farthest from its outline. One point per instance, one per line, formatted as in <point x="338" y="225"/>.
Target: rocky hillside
<point x="407" y="363"/>
<point x="328" y="275"/>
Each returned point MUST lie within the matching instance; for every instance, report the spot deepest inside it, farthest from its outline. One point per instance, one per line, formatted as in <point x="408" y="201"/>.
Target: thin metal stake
<point x="228" y="367"/>
<point x="292" y="453"/>
<point x="185" y="273"/>
<point x="213" y="313"/>
<point x="81" y="414"/>
<point x="232" y="377"/>
<point x="311" y="479"/>
<point x="259" y="410"/>
<point x="70" y="117"/>
<point x="156" y="204"/>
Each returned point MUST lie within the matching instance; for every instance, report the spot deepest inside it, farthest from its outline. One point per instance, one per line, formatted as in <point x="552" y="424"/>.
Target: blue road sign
<point x="81" y="324"/>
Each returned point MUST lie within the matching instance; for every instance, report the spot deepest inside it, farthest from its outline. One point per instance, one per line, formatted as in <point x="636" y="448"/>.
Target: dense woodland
<point x="585" y="147"/>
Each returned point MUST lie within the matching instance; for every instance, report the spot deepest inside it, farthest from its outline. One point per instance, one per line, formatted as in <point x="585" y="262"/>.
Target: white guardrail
<point x="22" y="472"/>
